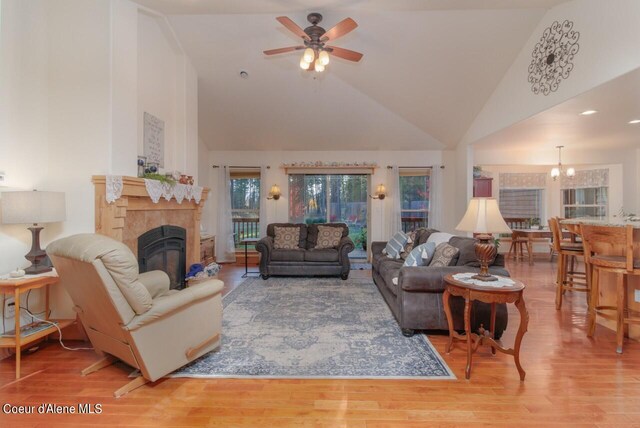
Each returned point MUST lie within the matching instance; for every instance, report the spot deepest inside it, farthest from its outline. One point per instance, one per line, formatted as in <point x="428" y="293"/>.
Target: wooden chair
<point x="567" y="277"/>
<point x="611" y="239"/>
<point x="518" y="243"/>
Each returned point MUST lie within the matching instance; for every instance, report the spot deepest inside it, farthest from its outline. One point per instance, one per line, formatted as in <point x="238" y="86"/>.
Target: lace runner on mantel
<point x="155" y="190"/>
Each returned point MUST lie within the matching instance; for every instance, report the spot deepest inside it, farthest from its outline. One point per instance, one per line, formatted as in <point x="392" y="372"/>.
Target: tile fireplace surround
<point x="134" y="213"/>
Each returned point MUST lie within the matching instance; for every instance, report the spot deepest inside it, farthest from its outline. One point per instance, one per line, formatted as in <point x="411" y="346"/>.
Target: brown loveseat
<point x="306" y="259"/>
<point x="416" y="300"/>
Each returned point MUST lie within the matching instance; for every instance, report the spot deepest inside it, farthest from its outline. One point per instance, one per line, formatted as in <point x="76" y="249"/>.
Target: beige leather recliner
<point x="135" y="317"/>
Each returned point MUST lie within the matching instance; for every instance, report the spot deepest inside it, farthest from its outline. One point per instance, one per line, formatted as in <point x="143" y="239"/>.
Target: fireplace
<point x="164" y="248"/>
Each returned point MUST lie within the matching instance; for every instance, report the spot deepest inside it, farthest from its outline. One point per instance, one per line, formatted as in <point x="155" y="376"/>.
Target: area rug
<point x="314" y="328"/>
<point x="360" y="266"/>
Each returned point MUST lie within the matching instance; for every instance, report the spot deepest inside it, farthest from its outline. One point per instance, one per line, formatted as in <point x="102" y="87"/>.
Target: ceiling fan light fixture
<point x="309" y="55"/>
<point x="318" y="66"/>
<point x="304" y="64"/>
<point x="324" y="57"/>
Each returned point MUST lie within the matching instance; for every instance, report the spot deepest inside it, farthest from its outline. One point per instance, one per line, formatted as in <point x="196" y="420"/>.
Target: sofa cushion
<point x="396" y="245"/>
<point x="321" y="255"/>
<point x="294" y="255"/>
<point x="439" y="237"/>
<point x="303" y="231"/>
<point x="421" y="255"/>
<point x="328" y="237"/>
<point x="286" y="238"/>
<point x="312" y="233"/>
<point x="445" y="255"/>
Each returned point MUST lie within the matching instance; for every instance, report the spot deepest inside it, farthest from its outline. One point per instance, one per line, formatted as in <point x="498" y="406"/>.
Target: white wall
<point x="70" y="93"/>
<point x="167" y="88"/>
<point x="277" y="211"/>
<point x="23" y="114"/>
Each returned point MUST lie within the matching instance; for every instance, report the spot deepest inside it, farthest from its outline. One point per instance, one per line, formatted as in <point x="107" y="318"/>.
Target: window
<point x="585" y="202"/>
<point x="331" y="198"/>
<point x="521" y="204"/>
<point x="414" y="197"/>
<point x="245" y="204"/>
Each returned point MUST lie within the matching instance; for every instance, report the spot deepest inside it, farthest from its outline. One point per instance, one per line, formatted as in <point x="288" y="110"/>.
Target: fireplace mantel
<point x="134" y="213"/>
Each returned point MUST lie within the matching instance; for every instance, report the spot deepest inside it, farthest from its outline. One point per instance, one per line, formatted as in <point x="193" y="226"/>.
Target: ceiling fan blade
<point x="346" y="54"/>
<point x="343" y="27"/>
<point x="293" y="27"/>
<point x="283" y="50"/>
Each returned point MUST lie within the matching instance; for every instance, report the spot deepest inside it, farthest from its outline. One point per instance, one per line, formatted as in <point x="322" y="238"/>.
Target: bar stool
<point x="596" y="238"/>
<point x="567" y="277"/>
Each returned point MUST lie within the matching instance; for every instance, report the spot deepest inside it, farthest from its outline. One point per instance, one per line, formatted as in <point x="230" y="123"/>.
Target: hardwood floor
<point x="571" y="381"/>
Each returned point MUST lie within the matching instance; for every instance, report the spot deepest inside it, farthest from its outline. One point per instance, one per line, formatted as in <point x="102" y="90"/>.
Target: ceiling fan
<point x="314" y="38"/>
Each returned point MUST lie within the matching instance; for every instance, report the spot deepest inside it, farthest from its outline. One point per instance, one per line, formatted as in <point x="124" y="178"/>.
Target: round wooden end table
<point x="487" y="294"/>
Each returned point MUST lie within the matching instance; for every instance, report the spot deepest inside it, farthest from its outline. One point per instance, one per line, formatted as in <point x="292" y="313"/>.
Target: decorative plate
<point x="552" y="57"/>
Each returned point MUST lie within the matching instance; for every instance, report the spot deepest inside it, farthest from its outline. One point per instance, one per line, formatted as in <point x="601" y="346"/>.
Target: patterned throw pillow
<point x="286" y="238"/>
<point x="444" y="255"/>
<point x="328" y="237"/>
<point x="396" y="245"/>
<point x="411" y="242"/>
<point x="421" y="255"/>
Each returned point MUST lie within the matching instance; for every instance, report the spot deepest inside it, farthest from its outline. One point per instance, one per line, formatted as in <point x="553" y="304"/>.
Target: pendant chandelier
<point x="559" y="170"/>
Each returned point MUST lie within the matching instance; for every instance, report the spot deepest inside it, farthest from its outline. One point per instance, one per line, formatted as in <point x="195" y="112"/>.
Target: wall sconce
<point x="381" y="192"/>
<point x="274" y="193"/>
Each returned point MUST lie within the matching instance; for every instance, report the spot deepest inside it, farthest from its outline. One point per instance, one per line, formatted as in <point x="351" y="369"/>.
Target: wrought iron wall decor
<point x="552" y="57"/>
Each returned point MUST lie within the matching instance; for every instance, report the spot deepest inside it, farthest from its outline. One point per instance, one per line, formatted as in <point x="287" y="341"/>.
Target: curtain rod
<point x="238" y="166"/>
<point x="430" y="166"/>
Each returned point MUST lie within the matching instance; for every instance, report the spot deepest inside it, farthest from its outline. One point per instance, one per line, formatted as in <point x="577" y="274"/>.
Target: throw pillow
<point x="411" y="242"/>
<point x="444" y="255"/>
<point x="328" y="237"/>
<point x="439" y="237"/>
<point x="286" y="238"/>
<point x="421" y="255"/>
<point x="396" y="244"/>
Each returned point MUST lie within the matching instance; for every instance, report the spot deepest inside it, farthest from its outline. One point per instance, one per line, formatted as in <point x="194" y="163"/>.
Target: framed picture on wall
<point x="153" y="137"/>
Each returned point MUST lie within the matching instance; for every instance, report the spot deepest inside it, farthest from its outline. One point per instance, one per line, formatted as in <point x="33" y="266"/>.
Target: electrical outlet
<point x="9" y="308"/>
<point x="637" y="295"/>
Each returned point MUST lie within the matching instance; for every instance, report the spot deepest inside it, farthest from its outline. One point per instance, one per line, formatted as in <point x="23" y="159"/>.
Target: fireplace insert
<point x="164" y="248"/>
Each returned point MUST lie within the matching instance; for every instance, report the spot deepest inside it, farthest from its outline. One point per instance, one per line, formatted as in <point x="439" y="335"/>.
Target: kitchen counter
<point x="612" y="222"/>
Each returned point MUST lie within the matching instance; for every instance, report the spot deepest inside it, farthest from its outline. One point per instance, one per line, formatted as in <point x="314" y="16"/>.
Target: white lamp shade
<point x="483" y="216"/>
<point x="26" y="207"/>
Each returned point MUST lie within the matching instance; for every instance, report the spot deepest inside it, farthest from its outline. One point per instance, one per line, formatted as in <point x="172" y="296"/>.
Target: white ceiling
<point x="617" y="102"/>
<point x="428" y="68"/>
<point x="189" y="7"/>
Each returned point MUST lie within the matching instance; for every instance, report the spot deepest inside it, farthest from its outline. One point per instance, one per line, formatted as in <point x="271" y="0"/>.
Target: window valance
<point x="586" y="178"/>
<point x="523" y="180"/>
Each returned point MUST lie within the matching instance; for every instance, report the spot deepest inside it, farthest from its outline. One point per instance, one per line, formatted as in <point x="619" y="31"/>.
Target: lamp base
<point x="486" y="278"/>
<point x="486" y="251"/>
<point x="36" y="255"/>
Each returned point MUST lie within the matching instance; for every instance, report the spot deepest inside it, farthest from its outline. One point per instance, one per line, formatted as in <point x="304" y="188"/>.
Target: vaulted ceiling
<point x="617" y="102"/>
<point x="428" y="69"/>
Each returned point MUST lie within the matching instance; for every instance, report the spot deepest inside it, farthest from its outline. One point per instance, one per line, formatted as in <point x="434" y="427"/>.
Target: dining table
<point x="530" y="236"/>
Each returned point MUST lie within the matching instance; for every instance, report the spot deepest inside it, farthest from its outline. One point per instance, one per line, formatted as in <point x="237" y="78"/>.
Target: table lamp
<point x="483" y="217"/>
<point x="33" y="207"/>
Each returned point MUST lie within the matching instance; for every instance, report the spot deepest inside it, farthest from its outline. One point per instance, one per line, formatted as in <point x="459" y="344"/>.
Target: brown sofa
<point x="416" y="300"/>
<point x="306" y="259"/>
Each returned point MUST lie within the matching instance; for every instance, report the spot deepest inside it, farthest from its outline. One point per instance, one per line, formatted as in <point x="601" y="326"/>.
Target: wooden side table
<point x="491" y="295"/>
<point x="17" y="286"/>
